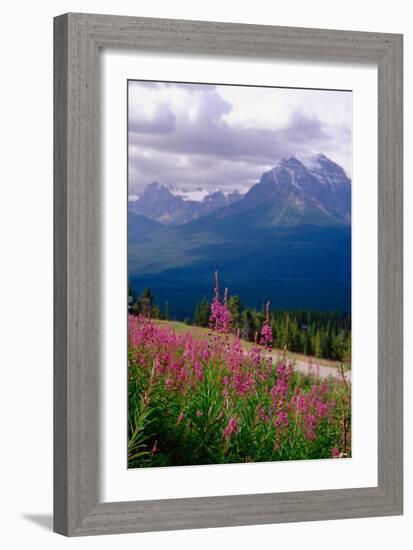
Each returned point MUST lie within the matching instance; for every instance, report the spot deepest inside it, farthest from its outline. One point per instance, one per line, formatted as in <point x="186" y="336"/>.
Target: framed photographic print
<point x="228" y="274"/>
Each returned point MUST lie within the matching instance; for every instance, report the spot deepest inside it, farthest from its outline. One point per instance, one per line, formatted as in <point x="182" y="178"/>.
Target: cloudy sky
<point x="224" y="137"/>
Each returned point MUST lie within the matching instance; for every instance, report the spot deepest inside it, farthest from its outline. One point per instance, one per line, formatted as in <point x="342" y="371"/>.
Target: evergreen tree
<point x="248" y="327"/>
<point x="146" y="302"/>
<point x="131" y="291"/>
<point x="202" y="313"/>
<point x="156" y="312"/>
<point x="235" y="307"/>
<point x="294" y="338"/>
<point x="317" y="344"/>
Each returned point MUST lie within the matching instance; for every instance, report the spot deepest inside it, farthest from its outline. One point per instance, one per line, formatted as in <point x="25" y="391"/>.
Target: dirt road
<point x="322" y="370"/>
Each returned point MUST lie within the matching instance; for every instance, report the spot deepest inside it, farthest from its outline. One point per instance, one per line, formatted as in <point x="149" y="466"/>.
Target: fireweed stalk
<point x="266" y="331"/>
<point x="208" y="400"/>
<point x="220" y="318"/>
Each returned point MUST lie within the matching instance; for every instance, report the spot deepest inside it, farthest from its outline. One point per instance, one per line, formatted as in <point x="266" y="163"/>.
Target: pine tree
<point x="248" y="327"/>
<point x="202" y="313"/>
<point x="235" y="307"/>
<point x="317" y="344"/>
<point x="146" y="302"/>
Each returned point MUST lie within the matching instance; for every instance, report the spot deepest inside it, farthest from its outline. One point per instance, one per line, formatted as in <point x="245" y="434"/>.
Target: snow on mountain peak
<point x="197" y="195"/>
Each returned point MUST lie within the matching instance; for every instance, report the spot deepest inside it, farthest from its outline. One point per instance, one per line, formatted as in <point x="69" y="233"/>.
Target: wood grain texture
<point x="78" y="38"/>
<point x="60" y="278"/>
<point x="390" y="273"/>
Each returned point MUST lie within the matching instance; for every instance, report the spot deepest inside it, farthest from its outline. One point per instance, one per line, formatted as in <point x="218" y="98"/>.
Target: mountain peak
<point x="292" y="162"/>
<point x="322" y="163"/>
<point x="316" y="192"/>
<point x="156" y="190"/>
<point x="170" y="207"/>
<point x="288" y="171"/>
<point x="216" y="193"/>
<point x="155" y="186"/>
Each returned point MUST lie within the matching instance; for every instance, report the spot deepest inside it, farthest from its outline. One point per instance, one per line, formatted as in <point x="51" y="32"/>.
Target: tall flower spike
<point x="216" y="292"/>
<point x="220" y="318"/>
<point x="266" y="331"/>
<point x="231" y="428"/>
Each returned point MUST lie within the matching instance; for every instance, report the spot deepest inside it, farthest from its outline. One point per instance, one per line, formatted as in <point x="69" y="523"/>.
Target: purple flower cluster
<point x="266" y="330"/>
<point x="231" y="428"/>
<point x="220" y="318"/>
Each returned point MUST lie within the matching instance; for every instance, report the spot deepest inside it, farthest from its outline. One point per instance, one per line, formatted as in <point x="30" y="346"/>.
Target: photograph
<point x="239" y="273"/>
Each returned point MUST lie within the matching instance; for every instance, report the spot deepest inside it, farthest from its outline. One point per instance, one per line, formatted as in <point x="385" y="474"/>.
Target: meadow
<point x="207" y="398"/>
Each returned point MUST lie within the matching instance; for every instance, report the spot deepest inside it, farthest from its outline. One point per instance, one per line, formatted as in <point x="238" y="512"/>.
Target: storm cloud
<point x="197" y="135"/>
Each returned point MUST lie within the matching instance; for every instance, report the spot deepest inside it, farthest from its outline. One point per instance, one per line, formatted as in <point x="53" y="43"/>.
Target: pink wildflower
<point x="198" y="370"/>
<point x="335" y="453"/>
<point x="231" y="428"/>
<point x="266" y="331"/>
<point x="262" y="415"/>
<point x="255" y="355"/>
<point x="281" y="420"/>
<point x="220" y="318"/>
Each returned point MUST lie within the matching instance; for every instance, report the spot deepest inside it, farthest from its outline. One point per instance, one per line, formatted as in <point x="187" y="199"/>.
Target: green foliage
<point x="248" y="326"/>
<point x="131" y="291"/>
<point x="202" y="313"/>
<point x="235" y="307"/>
<point x="147" y="295"/>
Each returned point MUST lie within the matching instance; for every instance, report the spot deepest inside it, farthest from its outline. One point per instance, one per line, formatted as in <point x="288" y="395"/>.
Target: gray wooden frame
<point x="78" y="39"/>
